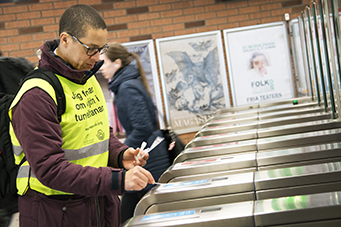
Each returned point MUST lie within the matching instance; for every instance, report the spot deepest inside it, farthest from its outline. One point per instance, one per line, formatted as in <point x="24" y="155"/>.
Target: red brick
<point x="49" y="28"/>
<point x="9" y="47"/>
<point x="119" y="40"/>
<point x="3" y="41"/>
<point x="183" y="19"/>
<point x="21" y="38"/>
<point x="151" y="30"/>
<point x="258" y="2"/>
<point x="115" y="13"/>
<point x="162" y="35"/>
<point x="43" y="21"/>
<point x="18" y="24"/>
<point x="172" y="13"/>
<point x="280" y="11"/>
<point x="216" y="7"/>
<point x="45" y="36"/>
<point x="203" y="16"/>
<point x="103" y="6"/>
<point x="168" y="1"/>
<point x="31" y="45"/>
<point x="182" y="5"/>
<point x="203" y="2"/>
<point x="33" y="59"/>
<point x="8" y="32"/>
<point x="109" y="21"/>
<point x="124" y="5"/>
<point x="222" y="20"/>
<point x="146" y="2"/>
<point x="36" y="7"/>
<point x="149" y="16"/>
<point x="15" y="9"/>
<point x="195" y="24"/>
<point x="126" y="19"/>
<point x="127" y="33"/>
<point x="272" y="19"/>
<point x="271" y="6"/>
<point x="172" y="27"/>
<point x="228" y="26"/>
<point x="207" y="28"/>
<point x="259" y="15"/>
<point x="141" y="37"/>
<point x="112" y="35"/>
<point x="157" y="8"/>
<point x="141" y="24"/>
<point x="292" y="3"/>
<point x="7" y="17"/>
<point x="89" y="2"/>
<point x="30" y="30"/>
<point x="238" y="18"/>
<point x="116" y="27"/>
<point x="249" y="9"/>
<point x="22" y="53"/>
<point x="51" y="13"/>
<point x="227" y="13"/>
<point x="161" y="22"/>
<point x="185" y="32"/>
<point x="63" y="4"/>
<point x="30" y="15"/>
<point x="250" y="22"/>
<point x="239" y="4"/>
<point x="137" y="10"/>
<point x="194" y="10"/>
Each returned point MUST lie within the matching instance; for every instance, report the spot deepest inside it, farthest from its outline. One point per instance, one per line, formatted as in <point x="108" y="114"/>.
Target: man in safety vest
<point x="76" y="167"/>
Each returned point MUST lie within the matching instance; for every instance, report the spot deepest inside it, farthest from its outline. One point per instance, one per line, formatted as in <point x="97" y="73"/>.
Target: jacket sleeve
<point x="116" y="149"/>
<point x="38" y="131"/>
<point x="137" y="115"/>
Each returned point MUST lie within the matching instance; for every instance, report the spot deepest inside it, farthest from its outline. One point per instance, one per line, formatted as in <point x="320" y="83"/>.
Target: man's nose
<point x="95" y="56"/>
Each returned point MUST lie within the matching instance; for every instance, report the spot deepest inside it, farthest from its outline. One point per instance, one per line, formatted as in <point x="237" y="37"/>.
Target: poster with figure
<point x="259" y="63"/>
<point x="145" y="50"/>
<point x="193" y="77"/>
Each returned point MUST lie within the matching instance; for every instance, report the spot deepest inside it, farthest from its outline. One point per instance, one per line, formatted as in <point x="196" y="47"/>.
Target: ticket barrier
<point x="251" y="186"/>
<point x="256" y="124"/>
<point x="227" y="136"/>
<point x="233" y="118"/>
<point x="309" y="210"/>
<point x="215" y="166"/>
<point x="296" y="102"/>
<point x="271" y="143"/>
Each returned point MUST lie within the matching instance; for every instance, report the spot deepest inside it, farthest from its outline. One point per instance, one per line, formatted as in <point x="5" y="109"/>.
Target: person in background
<point x="75" y="168"/>
<point x="13" y="70"/>
<point x="136" y="112"/>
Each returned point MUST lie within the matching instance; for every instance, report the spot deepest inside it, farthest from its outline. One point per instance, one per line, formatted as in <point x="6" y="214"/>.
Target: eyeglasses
<point x="91" y="50"/>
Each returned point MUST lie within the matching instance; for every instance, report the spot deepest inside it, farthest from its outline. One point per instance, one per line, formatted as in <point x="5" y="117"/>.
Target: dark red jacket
<point x="39" y="133"/>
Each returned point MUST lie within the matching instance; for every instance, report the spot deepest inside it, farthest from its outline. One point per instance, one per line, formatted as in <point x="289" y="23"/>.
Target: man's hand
<point x="137" y="178"/>
<point x="129" y="161"/>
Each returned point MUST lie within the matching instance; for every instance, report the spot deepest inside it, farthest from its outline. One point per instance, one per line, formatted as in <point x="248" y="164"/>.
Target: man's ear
<point x="64" y="38"/>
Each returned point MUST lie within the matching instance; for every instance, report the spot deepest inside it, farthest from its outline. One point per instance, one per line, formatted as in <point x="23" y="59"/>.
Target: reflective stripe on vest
<point x="85" y="129"/>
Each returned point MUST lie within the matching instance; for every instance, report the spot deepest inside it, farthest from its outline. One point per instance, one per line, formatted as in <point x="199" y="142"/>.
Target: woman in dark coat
<point x="136" y="112"/>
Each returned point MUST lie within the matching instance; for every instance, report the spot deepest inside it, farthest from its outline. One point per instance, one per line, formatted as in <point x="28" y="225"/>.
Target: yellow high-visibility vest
<point x="85" y="129"/>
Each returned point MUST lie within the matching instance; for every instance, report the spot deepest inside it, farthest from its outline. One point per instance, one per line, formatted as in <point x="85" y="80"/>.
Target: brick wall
<point x="24" y="26"/>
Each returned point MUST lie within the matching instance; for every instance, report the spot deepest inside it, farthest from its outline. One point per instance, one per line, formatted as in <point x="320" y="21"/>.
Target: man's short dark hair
<point x="77" y="18"/>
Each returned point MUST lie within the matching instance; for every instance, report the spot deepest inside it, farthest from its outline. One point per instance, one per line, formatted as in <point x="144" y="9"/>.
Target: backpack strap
<point x="52" y="79"/>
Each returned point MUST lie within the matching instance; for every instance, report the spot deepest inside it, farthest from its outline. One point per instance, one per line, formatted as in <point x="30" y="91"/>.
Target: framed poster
<point x="193" y="77"/>
<point x="145" y="50"/>
<point x="259" y="63"/>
